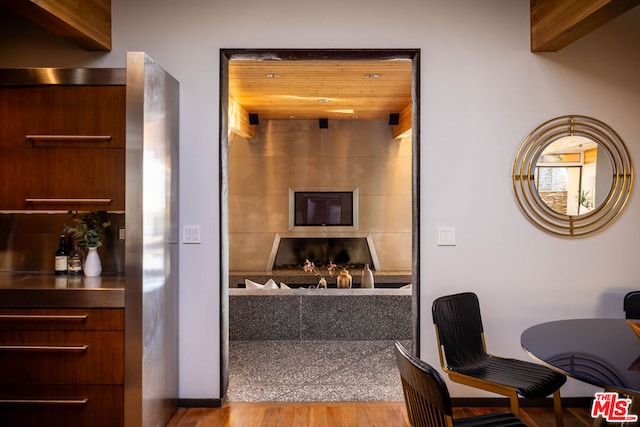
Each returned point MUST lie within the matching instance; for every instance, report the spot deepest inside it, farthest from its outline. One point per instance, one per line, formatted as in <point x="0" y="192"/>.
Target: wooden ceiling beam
<point x="405" y="123"/>
<point x="557" y="23"/>
<point x="86" y="23"/>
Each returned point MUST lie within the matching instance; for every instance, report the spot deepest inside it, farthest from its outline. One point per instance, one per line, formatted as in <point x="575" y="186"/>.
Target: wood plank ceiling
<point x="306" y="90"/>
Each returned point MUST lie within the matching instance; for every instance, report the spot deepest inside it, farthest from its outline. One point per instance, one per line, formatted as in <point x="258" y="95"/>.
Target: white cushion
<point x="270" y="284"/>
<point x="250" y="284"/>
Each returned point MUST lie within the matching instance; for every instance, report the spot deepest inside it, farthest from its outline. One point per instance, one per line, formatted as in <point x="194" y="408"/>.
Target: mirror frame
<point x="526" y="192"/>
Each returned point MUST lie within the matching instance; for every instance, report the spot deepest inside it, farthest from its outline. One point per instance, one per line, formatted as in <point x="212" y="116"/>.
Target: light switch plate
<point x="446" y="235"/>
<point x="191" y="234"/>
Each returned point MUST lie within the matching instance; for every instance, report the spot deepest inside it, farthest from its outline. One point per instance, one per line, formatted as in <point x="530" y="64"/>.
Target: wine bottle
<point x="75" y="259"/>
<point x="61" y="256"/>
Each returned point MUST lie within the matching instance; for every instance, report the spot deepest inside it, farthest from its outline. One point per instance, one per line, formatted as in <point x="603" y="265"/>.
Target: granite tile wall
<point x="325" y="316"/>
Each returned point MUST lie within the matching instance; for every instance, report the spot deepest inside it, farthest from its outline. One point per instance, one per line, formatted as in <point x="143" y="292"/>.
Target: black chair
<point x="631" y="305"/>
<point x="427" y="399"/>
<point x="464" y="357"/>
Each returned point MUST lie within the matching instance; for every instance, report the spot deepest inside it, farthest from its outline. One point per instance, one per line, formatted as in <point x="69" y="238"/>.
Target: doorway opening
<point x="322" y="136"/>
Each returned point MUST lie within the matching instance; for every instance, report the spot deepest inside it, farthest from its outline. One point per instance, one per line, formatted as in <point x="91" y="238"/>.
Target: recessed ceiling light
<point x="372" y="76"/>
<point x="273" y="75"/>
<point x="292" y="116"/>
<point x="323" y="100"/>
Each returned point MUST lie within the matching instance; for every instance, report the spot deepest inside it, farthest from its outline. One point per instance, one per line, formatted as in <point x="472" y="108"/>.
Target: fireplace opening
<point x="346" y="252"/>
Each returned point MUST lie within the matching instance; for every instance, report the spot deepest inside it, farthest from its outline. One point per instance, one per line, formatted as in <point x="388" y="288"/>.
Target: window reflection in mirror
<point x="572" y="176"/>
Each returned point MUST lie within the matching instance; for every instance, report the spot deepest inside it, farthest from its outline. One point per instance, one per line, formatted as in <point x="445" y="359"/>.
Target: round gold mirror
<point x="572" y="176"/>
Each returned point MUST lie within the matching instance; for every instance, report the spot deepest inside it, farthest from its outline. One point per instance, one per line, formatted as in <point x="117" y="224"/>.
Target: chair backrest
<point x="631" y="305"/>
<point x="459" y="327"/>
<point x="425" y="392"/>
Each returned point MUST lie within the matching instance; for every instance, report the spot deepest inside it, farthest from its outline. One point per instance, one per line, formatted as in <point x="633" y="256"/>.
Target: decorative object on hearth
<point x="312" y="268"/>
<point x="344" y="279"/>
<point x="367" y="277"/>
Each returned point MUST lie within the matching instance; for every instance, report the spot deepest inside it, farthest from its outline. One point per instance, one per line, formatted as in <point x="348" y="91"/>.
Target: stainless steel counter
<point x="42" y="290"/>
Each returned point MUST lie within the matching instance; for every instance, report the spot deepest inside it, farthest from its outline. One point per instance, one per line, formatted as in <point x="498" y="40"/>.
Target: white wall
<point x="482" y="92"/>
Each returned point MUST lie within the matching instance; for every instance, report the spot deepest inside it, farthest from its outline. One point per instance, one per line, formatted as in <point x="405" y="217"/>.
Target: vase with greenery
<point x="584" y="200"/>
<point x="89" y="231"/>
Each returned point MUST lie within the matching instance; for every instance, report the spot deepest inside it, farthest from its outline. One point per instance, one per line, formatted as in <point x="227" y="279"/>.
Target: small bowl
<point x="635" y="326"/>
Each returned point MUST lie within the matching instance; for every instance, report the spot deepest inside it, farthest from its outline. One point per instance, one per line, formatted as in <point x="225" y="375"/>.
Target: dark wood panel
<point x="104" y="406"/>
<point x="59" y="173"/>
<point x="62" y="319"/>
<point x="62" y="110"/>
<point x="38" y="361"/>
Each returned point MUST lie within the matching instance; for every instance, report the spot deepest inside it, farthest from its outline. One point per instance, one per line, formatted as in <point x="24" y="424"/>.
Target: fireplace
<point x="351" y="253"/>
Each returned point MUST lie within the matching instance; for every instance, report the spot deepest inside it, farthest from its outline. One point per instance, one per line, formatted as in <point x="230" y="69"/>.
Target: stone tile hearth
<point x="312" y="371"/>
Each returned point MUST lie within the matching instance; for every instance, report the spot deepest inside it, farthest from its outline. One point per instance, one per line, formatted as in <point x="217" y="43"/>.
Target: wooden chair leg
<point x="557" y="407"/>
<point x="515" y="406"/>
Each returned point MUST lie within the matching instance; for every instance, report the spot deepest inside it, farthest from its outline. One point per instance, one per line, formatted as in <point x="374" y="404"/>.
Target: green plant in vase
<point x="89" y="228"/>
<point x="584" y="200"/>
<point x="89" y="231"/>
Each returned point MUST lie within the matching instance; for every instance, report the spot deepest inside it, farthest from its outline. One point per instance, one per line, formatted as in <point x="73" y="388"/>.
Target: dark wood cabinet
<point x="63" y="147"/>
<point x="61" y="367"/>
<point x="61" y="405"/>
<point x="56" y="111"/>
<point x="87" y="139"/>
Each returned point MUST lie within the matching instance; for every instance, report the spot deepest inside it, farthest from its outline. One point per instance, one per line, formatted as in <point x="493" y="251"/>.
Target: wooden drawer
<point x="54" y="357"/>
<point x="68" y="406"/>
<point x="80" y="319"/>
<point x="81" y="112"/>
<point x="62" y="179"/>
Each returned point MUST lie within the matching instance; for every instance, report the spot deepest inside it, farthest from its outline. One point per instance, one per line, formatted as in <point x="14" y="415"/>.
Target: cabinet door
<point x="70" y="357"/>
<point x="64" y="406"/>
<point x="61" y="319"/>
<point x="63" y="116"/>
<point x="62" y="179"/>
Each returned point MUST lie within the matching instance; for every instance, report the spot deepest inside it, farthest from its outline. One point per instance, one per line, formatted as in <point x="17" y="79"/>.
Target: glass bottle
<point x="61" y="256"/>
<point x="75" y="260"/>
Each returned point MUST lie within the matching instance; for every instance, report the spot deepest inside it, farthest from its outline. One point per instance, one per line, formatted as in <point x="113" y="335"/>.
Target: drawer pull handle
<point x="70" y="138"/>
<point x="43" y="402"/>
<point x="78" y="348"/>
<point x="77" y="318"/>
<point x="45" y="200"/>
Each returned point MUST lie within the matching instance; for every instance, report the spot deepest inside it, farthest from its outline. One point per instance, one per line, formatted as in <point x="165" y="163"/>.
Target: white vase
<point x="92" y="264"/>
<point x="367" y="278"/>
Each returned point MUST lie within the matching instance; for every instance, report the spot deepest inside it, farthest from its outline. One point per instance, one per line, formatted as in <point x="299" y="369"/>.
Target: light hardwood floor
<point x="346" y="414"/>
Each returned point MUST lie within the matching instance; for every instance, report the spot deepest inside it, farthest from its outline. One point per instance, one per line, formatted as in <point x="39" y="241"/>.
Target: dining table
<point x="602" y="352"/>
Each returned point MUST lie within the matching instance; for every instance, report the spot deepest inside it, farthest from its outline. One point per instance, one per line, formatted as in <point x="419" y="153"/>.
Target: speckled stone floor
<point x="313" y="371"/>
